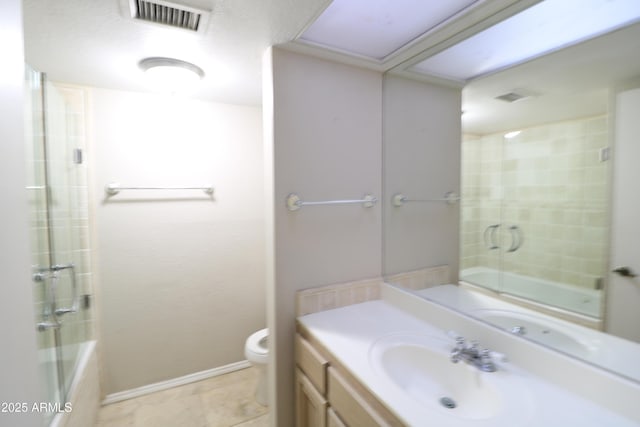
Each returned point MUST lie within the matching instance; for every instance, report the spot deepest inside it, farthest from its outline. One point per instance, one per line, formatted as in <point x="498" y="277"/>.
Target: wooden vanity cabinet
<point x="311" y="406"/>
<point x="327" y="395"/>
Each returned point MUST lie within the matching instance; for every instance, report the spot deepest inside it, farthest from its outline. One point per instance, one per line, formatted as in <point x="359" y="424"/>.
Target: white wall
<point x="18" y="362"/>
<point x="324" y="141"/>
<point x="622" y="315"/>
<point x="422" y="141"/>
<point x="326" y="144"/>
<point x="181" y="275"/>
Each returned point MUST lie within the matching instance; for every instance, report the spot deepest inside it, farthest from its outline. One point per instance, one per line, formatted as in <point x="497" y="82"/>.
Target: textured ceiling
<point x="90" y="42"/>
<point x="570" y="83"/>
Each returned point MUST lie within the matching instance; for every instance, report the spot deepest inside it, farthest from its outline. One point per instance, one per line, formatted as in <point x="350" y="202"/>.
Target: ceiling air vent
<point x="170" y="14"/>
<point x="516" y="95"/>
<point x="511" y="97"/>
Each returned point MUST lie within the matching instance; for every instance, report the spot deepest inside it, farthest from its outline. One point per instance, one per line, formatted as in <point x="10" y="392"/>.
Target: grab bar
<point x="294" y="202"/>
<point x="114" y="188"/>
<point x="449" y="197"/>
<point x="516" y="238"/>
<point x="490" y="237"/>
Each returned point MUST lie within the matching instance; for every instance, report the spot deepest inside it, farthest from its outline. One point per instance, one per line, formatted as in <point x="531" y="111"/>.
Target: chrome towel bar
<point x="449" y="197"/>
<point x="114" y="188"/>
<point x="294" y="202"/>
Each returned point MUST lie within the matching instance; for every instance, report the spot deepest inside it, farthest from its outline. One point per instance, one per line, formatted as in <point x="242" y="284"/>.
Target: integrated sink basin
<point x="420" y="367"/>
<point x="542" y="331"/>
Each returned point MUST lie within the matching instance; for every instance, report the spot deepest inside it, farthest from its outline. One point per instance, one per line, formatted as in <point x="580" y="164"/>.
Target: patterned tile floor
<point x="223" y="401"/>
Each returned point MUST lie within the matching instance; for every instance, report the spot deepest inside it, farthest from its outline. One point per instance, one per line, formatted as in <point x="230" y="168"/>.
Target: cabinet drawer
<point x="312" y="364"/>
<point x="350" y="406"/>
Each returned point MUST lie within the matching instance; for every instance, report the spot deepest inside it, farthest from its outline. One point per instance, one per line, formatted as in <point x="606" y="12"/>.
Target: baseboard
<point x="175" y="382"/>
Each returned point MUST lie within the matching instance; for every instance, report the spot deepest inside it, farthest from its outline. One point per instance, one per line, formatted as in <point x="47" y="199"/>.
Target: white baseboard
<point x="175" y="382"/>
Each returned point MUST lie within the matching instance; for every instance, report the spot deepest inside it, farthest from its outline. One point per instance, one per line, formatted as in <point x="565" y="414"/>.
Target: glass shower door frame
<point x="54" y="193"/>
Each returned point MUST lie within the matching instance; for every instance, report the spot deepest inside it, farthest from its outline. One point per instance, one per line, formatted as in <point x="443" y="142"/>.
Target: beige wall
<point x="18" y="367"/>
<point x="181" y="275"/>
<point x="326" y="145"/>
<point x="422" y="161"/>
<point x="324" y="141"/>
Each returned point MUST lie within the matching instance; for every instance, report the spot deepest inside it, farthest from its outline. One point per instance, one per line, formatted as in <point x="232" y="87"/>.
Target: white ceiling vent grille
<point x="510" y="97"/>
<point x="167" y="13"/>
<point x="516" y="95"/>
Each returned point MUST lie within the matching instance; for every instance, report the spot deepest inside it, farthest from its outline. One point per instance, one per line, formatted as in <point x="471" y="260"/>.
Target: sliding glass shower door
<point x="482" y="229"/>
<point x="535" y="214"/>
<point x="58" y="219"/>
<point x="38" y="222"/>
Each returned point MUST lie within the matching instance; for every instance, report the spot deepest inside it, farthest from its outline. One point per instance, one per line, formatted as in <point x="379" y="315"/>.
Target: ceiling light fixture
<point x="543" y="28"/>
<point x="171" y="73"/>
<point x="377" y="28"/>
<point x="511" y="135"/>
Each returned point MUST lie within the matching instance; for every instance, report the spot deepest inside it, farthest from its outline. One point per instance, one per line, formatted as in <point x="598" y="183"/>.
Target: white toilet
<point x="257" y="352"/>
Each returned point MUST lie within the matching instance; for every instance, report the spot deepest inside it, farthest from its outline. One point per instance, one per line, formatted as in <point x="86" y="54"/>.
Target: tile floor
<point x="223" y="401"/>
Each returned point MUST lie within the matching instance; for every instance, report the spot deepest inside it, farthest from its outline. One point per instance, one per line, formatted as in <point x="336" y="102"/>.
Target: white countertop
<point x="608" y="351"/>
<point x="349" y="333"/>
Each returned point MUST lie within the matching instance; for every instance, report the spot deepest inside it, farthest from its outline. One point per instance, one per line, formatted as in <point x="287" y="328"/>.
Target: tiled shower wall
<point x="65" y="128"/>
<point x="552" y="182"/>
<point x="75" y="104"/>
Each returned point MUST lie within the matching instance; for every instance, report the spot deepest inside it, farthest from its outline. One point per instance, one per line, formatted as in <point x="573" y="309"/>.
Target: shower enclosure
<point x="535" y="214"/>
<point x="57" y="194"/>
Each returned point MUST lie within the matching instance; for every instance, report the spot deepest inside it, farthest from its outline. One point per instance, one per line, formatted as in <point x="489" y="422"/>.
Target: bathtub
<point x="563" y="296"/>
<point x="83" y="387"/>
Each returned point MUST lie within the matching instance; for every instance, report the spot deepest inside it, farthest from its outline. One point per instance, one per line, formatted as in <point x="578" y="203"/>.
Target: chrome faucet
<point x="473" y="355"/>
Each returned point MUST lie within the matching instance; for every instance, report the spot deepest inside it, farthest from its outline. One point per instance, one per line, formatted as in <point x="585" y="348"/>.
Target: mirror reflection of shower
<point x="534" y="213"/>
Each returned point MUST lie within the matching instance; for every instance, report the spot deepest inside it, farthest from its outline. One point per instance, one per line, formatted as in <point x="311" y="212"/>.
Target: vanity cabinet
<point x="327" y="395"/>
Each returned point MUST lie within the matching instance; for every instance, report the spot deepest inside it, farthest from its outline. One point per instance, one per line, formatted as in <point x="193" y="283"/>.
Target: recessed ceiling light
<point x="172" y="74"/>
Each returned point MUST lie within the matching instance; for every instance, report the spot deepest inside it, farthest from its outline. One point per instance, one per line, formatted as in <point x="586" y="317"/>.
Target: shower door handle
<point x="50" y="282"/>
<point x="490" y="237"/>
<point x="516" y="238"/>
<point x="74" y="288"/>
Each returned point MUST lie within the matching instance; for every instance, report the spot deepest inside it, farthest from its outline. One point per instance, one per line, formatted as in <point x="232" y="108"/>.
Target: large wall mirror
<point x="537" y="186"/>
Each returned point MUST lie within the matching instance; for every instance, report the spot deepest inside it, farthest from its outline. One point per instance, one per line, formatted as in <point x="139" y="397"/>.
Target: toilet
<point x="257" y="352"/>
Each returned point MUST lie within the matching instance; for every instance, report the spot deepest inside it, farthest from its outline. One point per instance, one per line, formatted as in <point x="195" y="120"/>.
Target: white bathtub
<point x="560" y="295"/>
<point x="84" y="389"/>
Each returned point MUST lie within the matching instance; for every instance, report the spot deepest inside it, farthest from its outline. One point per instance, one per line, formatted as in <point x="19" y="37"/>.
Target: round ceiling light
<point x="171" y="73"/>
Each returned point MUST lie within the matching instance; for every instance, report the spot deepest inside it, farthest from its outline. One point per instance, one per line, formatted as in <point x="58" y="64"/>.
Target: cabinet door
<point x="353" y="409"/>
<point x="333" y="420"/>
<point x="311" y="406"/>
<point x="623" y="300"/>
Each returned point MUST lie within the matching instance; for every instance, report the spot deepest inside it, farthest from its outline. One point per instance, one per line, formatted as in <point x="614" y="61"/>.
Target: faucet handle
<point x="498" y="357"/>
<point x="453" y="334"/>
<point x="486" y="361"/>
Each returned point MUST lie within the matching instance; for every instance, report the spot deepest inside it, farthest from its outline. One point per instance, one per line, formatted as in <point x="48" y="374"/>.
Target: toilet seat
<point x="256" y="349"/>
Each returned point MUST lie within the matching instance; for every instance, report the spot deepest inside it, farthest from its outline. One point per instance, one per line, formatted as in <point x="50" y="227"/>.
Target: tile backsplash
<point x="422" y="278"/>
<point x="337" y="295"/>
